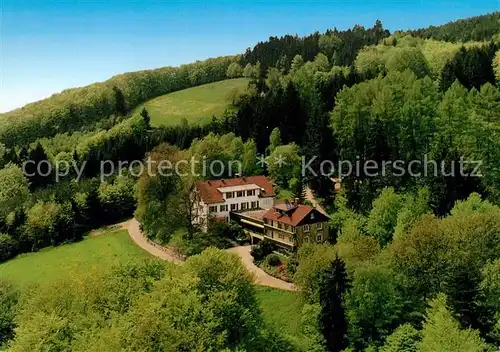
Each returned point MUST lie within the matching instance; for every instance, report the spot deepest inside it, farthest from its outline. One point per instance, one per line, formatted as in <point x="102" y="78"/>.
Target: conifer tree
<point x="333" y="322"/>
<point x="120" y="104"/>
<point x="37" y="168"/>
<point x="145" y="116"/>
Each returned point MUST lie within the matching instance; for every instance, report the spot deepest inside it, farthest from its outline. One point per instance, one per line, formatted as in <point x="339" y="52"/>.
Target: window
<point x="306" y="228"/>
<point x="280" y="225"/>
<point x="212" y="209"/>
<point x="319" y="238"/>
<point x="293" y="229"/>
<point x="255" y="205"/>
<point x="251" y="192"/>
<point x="229" y="195"/>
<point x="319" y="226"/>
<point x="234" y="207"/>
<point x="244" y="206"/>
<point x="223" y="208"/>
<point x="239" y="194"/>
<point x="306" y="239"/>
<point x="281" y="236"/>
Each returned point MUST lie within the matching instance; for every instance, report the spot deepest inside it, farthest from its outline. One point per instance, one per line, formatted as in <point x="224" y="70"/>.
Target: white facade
<point x="236" y="198"/>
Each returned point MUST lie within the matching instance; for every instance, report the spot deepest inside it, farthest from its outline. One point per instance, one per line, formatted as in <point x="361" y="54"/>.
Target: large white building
<point x="217" y="198"/>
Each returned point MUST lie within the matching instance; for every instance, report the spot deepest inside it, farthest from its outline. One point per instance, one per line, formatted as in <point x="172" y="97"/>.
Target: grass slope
<point x="282" y="311"/>
<point x="197" y="104"/>
<point x="107" y="249"/>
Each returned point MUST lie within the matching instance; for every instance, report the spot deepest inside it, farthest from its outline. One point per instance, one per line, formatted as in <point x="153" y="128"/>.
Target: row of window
<point x="234" y="207"/>
<point x="306" y="228"/>
<point x="319" y="226"/>
<point x="236" y="194"/>
<point x="285" y="227"/>
<point x="319" y="238"/>
<point x="285" y="237"/>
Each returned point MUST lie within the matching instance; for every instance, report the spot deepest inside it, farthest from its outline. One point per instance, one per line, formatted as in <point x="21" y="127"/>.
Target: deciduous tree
<point x="441" y="332"/>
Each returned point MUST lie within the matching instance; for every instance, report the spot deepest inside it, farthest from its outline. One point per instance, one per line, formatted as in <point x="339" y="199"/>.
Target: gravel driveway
<point x="261" y="277"/>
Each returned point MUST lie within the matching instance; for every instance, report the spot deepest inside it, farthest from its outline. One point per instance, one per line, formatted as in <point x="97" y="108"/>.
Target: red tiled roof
<point x="210" y="194"/>
<point x="294" y="215"/>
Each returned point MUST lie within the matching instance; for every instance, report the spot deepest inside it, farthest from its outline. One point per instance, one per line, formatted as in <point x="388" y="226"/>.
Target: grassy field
<point x="282" y="310"/>
<point x="110" y="248"/>
<point x="197" y="104"/>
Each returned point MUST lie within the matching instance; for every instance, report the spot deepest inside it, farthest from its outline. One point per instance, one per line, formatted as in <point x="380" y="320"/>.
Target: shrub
<point x="292" y="265"/>
<point x="224" y="230"/>
<point x="242" y="237"/>
<point x="117" y="199"/>
<point x="195" y="244"/>
<point x="262" y="250"/>
<point x="237" y="232"/>
<point x="273" y="259"/>
<point x="49" y="223"/>
<point x="8" y="303"/>
<point x="8" y="247"/>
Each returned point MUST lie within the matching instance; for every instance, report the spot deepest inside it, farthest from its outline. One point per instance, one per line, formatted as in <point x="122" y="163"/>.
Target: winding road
<point x="261" y="277"/>
<point x="310" y="197"/>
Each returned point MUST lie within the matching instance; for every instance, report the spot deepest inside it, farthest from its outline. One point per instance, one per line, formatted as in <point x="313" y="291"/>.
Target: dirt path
<point x="261" y="277"/>
<point x="314" y="202"/>
<point x="158" y="251"/>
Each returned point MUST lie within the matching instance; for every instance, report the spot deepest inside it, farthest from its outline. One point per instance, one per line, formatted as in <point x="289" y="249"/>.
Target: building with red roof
<point x="287" y="225"/>
<point x="217" y="198"/>
<point x="251" y="202"/>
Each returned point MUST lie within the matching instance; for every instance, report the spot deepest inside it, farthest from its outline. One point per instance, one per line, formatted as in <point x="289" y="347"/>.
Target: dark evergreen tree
<point x="120" y="103"/>
<point x="291" y="118"/>
<point x="38" y="168"/>
<point x="146" y="118"/>
<point x="333" y="323"/>
<point x="472" y="67"/>
<point x="10" y="156"/>
<point x="462" y="289"/>
<point x="299" y="190"/>
<point x="477" y="28"/>
<point x="22" y="156"/>
<point x="279" y="51"/>
<point x="317" y="149"/>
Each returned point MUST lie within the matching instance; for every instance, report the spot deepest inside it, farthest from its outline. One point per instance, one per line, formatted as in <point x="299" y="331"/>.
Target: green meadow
<point x="281" y="309"/>
<point x="197" y="104"/>
<point x="103" y="250"/>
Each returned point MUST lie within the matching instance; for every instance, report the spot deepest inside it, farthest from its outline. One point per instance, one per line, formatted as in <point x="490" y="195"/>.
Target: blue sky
<point x="51" y="45"/>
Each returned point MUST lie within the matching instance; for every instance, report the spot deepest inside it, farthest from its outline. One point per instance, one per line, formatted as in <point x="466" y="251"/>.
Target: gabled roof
<point x="210" y="194"/>
<point x="294" y="215"/>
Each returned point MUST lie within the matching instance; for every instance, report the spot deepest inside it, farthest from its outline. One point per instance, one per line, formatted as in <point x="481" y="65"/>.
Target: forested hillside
<point x="475" y="28"/>
<point x="83" y="108"/>
<point x="413" y="263"/>
<point x="340" y="47"/>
